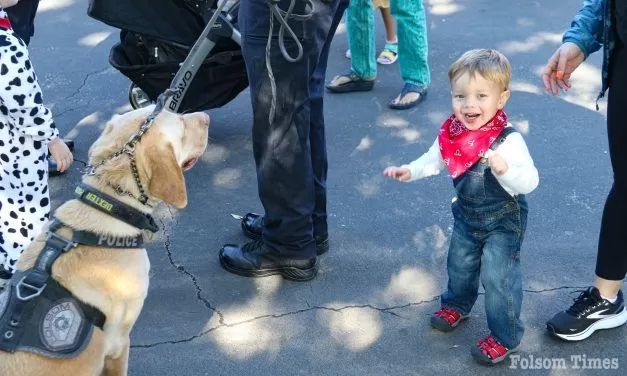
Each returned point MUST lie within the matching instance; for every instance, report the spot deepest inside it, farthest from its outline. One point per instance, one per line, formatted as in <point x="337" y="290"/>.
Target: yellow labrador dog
<point x="115" y="281"/>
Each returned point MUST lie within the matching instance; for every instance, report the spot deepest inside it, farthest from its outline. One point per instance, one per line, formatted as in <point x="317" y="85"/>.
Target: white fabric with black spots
<point x="26" y="127"/>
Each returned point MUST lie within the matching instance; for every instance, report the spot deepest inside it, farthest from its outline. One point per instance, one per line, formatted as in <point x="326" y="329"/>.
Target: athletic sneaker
<point x="446" y="319"/>
<point x="489" y="351"/>
<point x="589" y="313"/>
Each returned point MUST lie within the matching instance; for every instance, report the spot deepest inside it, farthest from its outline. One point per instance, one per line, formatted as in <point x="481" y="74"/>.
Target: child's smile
<point x="471" y="117"/>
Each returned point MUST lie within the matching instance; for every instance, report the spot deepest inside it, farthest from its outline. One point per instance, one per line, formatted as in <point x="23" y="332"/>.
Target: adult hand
<point x="560" y="66"/>
<point x="400" y="174"/>
<point x="61" y="154"/>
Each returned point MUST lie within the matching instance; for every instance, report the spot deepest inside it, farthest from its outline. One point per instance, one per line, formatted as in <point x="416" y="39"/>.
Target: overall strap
<point x="502" y="136"/>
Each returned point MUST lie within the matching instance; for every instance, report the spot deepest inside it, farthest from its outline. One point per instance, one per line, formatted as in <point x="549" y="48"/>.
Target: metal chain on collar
<point x="129" y="149"/>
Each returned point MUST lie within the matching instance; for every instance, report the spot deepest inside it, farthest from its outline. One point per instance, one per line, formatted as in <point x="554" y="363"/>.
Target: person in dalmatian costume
<point x="492" y="172"/>
<point x="27" y="134"/>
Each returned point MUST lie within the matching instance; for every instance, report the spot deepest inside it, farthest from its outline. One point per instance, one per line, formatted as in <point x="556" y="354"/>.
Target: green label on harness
<point x="99" y="201"/>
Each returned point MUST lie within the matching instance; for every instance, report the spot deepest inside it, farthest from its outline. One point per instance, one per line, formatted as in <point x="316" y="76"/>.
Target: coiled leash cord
<point x="283" y="17"/>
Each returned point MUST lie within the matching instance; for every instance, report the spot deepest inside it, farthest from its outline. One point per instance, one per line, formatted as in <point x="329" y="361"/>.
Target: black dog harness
<point x="39" y="315"/>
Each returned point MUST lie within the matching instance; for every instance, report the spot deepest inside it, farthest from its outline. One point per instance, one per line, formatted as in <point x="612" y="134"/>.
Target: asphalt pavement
<point x="367" y="312"/>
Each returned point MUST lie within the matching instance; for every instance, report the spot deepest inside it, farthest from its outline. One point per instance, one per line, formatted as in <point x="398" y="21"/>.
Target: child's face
<point x="476" y="100"/>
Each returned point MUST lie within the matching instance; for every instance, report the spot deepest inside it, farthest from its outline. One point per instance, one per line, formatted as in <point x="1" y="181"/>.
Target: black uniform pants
<point x="290" y="149"/>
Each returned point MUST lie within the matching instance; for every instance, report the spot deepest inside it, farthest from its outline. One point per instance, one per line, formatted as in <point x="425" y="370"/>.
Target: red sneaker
<point x="446" y="319"/>
<point x="489" y="351"/>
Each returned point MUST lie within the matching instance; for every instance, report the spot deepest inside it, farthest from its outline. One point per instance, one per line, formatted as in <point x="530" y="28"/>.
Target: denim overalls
<point x="488" y="231"/>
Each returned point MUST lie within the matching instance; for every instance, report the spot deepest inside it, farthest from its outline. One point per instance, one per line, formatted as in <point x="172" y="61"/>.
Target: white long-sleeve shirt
<point x="521" y="176"/>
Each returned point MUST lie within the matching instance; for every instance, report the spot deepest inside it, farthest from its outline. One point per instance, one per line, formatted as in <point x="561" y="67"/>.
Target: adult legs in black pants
<point x="612" y="255"/>
<point x="290" y="150"/>
<point x="602" y="306"/>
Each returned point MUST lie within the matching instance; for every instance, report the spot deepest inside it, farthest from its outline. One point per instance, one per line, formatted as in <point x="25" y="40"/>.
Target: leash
<point x="128" y="149"/>
<point x="283" y="17"/>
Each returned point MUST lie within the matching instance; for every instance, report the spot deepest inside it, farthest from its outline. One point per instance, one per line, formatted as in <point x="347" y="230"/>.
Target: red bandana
<point x="461" y="148"/>
<point x="5" y="23"/>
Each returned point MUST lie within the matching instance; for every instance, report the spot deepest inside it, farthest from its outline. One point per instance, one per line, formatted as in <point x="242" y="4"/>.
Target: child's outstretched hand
<point x="400" y="174"/>
<point x="61" y="154"/>
<point x="497" y="163"/>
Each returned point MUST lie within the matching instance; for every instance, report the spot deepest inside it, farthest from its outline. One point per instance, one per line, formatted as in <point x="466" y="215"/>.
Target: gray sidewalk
<point x="367" y="313"/>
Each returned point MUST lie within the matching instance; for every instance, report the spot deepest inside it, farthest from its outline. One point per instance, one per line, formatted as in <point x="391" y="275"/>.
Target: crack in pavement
<point x="181" y="269"/>
<point x="77" y="91"/>
<point x="274" y="316"/>
<point x="224" y="324"/>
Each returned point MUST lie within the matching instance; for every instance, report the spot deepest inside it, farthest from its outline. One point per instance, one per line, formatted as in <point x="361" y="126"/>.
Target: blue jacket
<point x="591" y="29"/>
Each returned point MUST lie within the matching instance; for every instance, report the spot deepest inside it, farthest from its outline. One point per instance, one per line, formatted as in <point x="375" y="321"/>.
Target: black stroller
<point x="191" y="45"/>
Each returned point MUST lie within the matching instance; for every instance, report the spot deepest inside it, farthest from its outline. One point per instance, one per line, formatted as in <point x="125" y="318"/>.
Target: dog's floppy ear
<point x="166" y="180"/>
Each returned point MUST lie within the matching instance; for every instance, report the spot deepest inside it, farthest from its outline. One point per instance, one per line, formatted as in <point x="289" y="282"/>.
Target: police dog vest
<point x="53" y="324"/>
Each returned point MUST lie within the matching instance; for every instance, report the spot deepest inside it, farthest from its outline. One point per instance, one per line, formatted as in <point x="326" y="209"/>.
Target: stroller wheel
<point x="137" y="97"/>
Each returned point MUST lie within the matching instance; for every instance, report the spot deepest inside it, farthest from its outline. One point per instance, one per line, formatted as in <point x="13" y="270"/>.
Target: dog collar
<point x="115" y="208"/>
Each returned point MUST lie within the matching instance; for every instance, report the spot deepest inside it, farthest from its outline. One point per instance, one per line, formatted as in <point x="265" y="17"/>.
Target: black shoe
<point x="5" y="276"/>
<point x="52" y="168"/>
<point x="589" y="313"/>
<point x="252" y="225"/>
<point x="253" y="260"/>
<point x="52" y="164"/>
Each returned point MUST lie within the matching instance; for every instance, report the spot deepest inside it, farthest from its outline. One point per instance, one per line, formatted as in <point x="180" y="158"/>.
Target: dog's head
<point x="173" y="143"/>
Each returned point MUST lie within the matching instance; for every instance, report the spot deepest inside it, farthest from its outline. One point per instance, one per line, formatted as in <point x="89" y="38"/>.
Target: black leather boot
<point x="252" y="226"/>
<point x="253" y="260"/>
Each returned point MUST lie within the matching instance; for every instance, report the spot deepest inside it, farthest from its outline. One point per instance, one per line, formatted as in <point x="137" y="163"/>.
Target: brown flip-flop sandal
<point x="355" y="83"/>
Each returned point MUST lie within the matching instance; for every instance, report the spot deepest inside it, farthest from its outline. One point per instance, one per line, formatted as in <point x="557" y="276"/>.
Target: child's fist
<point x="400" y="174"/>
<point x="498" y="165"/>
<point x="61" y="154"/>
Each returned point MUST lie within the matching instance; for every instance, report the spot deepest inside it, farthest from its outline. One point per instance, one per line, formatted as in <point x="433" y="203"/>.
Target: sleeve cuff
<point x="510" y="175"/>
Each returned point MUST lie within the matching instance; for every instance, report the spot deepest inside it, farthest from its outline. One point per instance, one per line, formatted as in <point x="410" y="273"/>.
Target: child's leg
<point x="389" y="55"/>
<point x="23" y="212"/>
<point x="390" y="25"/>
<point x="463" y="265"/>
<point x="501" y="277"/>
<point x="348" y="50"/>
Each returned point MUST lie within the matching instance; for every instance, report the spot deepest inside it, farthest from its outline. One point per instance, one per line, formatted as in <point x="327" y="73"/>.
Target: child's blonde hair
<point x="490" y="64"/>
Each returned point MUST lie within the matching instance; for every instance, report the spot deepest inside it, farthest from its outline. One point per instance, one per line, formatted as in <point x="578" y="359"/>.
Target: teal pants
<point x="412" y="39"/>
